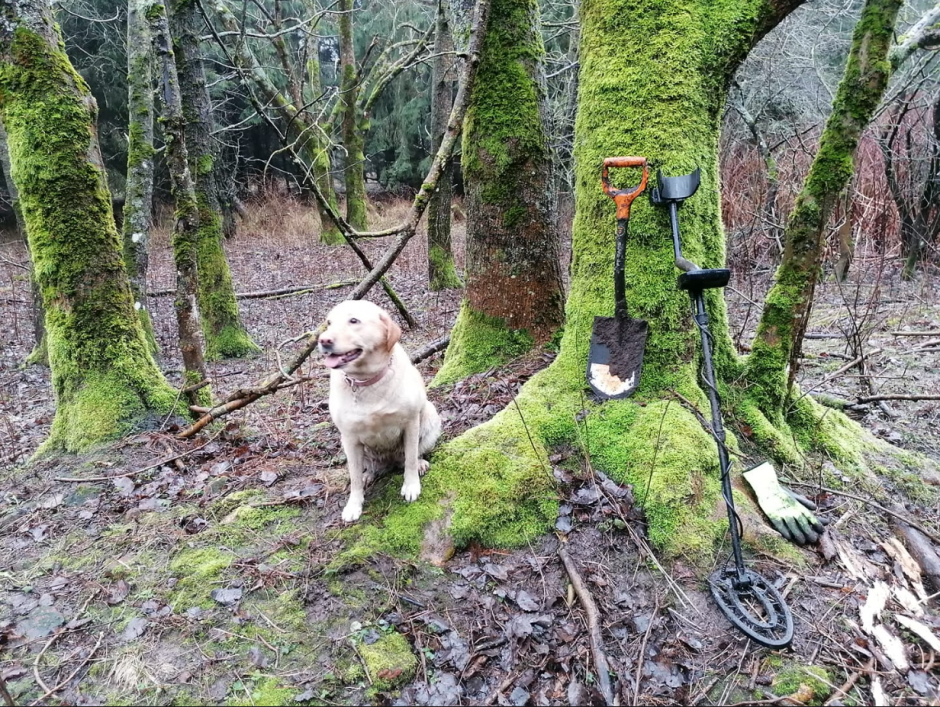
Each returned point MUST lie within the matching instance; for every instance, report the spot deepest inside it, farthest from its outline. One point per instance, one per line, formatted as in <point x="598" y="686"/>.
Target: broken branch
<point x="601" y="666"/>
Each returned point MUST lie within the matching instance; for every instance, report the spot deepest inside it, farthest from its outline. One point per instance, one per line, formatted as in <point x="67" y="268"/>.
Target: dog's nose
<point x="325" y="342"/>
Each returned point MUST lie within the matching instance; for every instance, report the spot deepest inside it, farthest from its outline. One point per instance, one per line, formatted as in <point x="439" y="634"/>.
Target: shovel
<point x="615" y="360"/>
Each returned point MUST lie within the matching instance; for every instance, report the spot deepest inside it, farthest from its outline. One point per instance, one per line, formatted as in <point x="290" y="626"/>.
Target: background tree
<point x="353" y="139"/>
<point x="441" y="271"/>
<point x="225" y="335"/>
<point x="104" y="378"/>
<point x="138" y="201"/>
<point x="514" y="296"/>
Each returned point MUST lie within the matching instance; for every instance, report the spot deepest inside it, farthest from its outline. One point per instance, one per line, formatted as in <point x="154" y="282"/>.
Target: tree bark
<point x="186" y="232"/>
<point x="138" y="190"/>
<point x="353" y="141"/>
<point x="441" y="271"/>
<point x="774" y="359"/>
<point x="515" y="296"/>
<point x="104" y="379"/>
<point x="39" y="354"/>
<point x="639" y="95"/>
<point x="225" y="335"/>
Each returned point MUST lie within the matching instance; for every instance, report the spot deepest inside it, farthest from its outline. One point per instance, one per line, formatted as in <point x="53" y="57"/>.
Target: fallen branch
<point x="430" y="350"/>
<point x="915" y="333"/>
<point x="261" y="294"/>
<point x="60" y="685"/>
<point x="641" y="661"/>
<point x="876" y="398"/>
<point x="601" y="666"/>
<point x="922" y="551"/>
<point x="138" y="471"/>
<point x="843" y="691"/>
<point x="901" y="517"/>
<point x="5" y="693"/>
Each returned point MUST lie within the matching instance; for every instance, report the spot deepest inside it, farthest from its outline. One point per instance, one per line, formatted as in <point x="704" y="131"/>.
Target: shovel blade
<point x="615" y="361"/>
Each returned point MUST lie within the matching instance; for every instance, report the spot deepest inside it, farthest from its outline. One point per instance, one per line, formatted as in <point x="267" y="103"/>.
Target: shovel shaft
<point x="620" y="257"/>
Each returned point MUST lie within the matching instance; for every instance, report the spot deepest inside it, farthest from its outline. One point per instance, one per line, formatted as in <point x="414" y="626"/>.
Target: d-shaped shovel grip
<point x="624" y="197"/>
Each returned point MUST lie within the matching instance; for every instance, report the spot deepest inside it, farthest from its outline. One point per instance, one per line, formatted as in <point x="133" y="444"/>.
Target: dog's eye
<point x="353" y="321"/>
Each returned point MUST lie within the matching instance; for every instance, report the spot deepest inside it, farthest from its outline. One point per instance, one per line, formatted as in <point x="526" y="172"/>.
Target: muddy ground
<point x="219" y="577"/>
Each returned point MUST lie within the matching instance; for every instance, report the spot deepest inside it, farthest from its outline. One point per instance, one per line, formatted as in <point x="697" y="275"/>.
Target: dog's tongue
<point x="333" y="360"/>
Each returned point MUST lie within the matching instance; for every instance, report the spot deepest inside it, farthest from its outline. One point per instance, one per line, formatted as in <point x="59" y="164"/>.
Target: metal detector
<point x="749" y="601"/>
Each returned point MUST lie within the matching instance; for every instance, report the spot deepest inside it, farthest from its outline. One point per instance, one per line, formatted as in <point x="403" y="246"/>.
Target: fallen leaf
<point x="53" y="501"/>
<point x="226" y="597"/>
<point x="388" y="674"/>
<point x="803" y="694"/>
<point x="305" y="696"/>
<point x="41" y="621"/>
<point x="135" y="628"/>
<point x="118" y="592"/>
<point x="526" y="602"/>
<point x="919" y="629"/>
<point x="124" y="485"/>
<point x="268" y="477"/>
<point x="258" y="657"/>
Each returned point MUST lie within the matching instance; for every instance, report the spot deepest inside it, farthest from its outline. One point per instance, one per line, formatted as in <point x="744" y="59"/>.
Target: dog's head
<point x="359" y="337"/>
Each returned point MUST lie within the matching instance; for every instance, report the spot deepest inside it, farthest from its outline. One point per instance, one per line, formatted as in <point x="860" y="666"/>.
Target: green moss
<point x="390" y="661"/>
<point x="792" y="676"/>
<point x="197" y="571"/>
<point x="441" y="267"/>
<point x="479" y="343"/>
<point x="267" y="691"/>
<point x="104" y="379"/>
<point x="224" y="332"/>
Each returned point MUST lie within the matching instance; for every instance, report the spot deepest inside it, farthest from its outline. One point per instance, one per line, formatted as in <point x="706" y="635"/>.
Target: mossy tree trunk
<point x="653" y="81"/>
<point x="515" y="296"/>
<point x="353" y="138"/>
<point x="441" y="271"/>
<point x="138" y="190"/>
<point x="186" y="233"/>
<point x="312" y="139"/>
<point x="317" y="148"/>
<point x="225" y="335"/>
<point x="39" y="354"/>
<point x="774" y="360"/>
<point x="104" y="379"/>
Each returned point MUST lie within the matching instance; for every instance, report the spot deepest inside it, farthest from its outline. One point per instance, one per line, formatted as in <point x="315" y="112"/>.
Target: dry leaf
<point x="874" y="605"/>
<point x="893" y="648"/>
<point x="922" y="631"/>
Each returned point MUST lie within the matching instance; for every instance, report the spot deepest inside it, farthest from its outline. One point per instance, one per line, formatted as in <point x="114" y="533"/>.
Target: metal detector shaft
<point x="701" y="318"/>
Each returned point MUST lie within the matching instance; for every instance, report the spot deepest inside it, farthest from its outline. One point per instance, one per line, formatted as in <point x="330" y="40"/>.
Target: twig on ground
<point x="503" y="686"/>
<point x="873" y="504"/>
<point x="843" y="691"/>
<point x="640" y="661"/>
<point x="63" y="683"/>
<point x="601" y="666"/>
<point x="76" y="479"/>
<point x="53" y="639"/>
<point x="280" y="292"/>
<point x="5" y="693"/>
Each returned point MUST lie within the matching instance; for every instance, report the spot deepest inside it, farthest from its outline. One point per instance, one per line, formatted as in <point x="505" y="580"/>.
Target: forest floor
<point x="219" y="576"/>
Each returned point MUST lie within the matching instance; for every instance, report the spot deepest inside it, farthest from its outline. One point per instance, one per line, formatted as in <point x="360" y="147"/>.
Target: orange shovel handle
<point x="624" y="197"/>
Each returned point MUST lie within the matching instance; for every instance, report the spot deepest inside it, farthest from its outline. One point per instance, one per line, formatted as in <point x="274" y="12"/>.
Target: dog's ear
<point x="392" y="331"/>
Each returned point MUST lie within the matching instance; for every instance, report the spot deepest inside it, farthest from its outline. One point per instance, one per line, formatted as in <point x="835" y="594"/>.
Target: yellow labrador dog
<point x="377" y="400"/>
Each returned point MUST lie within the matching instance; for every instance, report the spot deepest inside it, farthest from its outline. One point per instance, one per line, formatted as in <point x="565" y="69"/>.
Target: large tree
<point x="104" y="379"/>
<point x="653" y="81"/>
<point x="514" y="297"/>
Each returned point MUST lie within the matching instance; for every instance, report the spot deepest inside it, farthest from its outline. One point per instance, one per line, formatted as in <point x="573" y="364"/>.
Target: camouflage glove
<point x="788" y="512"/>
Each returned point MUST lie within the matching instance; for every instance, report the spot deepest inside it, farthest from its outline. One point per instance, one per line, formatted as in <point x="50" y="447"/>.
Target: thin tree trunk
<point x="225" y="335"/>
<point x="353" y="141"/>
<point x="317" y="148"/>
<point x="846" y="242"/>
<point x="40" y="354"/>
<point x="138" y="199"/>
<point x="186" y="232"/>
<point x="774" y="360"/>
<point x="441" y="271"/>
<point x="104" y="379"/>
<point x="515" y="296"/>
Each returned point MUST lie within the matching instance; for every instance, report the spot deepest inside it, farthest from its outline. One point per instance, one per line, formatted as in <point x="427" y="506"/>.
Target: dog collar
<point x="355" y="383"/>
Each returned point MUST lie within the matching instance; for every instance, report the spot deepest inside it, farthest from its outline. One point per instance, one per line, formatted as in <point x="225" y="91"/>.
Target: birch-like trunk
<point x="186" y="232"/>
<point x="353" y="139"/>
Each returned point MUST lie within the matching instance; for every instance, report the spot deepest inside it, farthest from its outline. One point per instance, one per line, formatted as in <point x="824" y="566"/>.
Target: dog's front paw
<point x="423" y="466"/>
<point x="352" y="511"/>
<point x="411" y="490"/>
